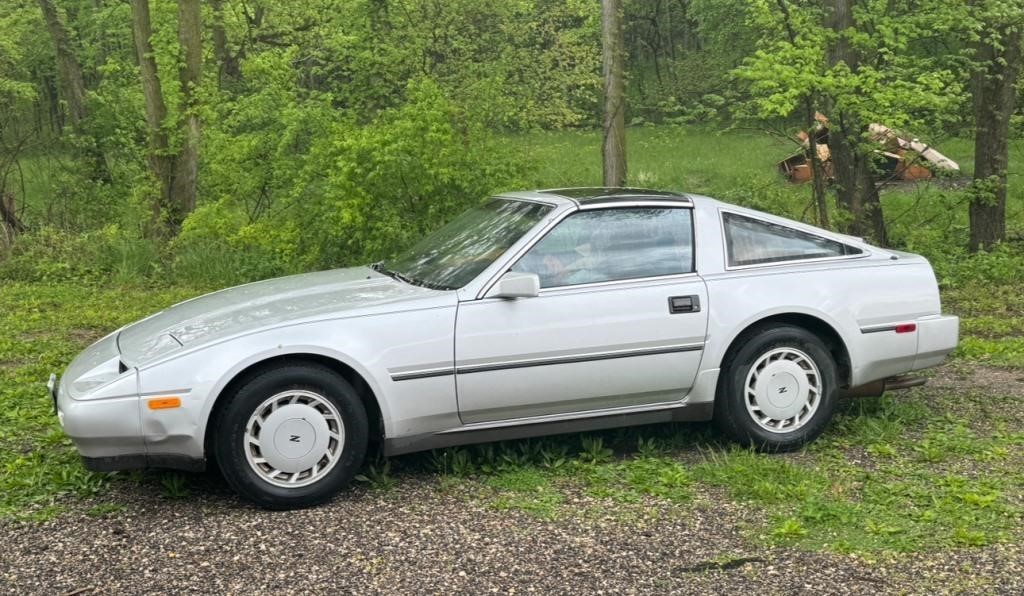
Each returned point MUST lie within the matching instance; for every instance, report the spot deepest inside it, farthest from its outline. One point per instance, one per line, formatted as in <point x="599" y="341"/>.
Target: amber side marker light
<point x="164" y="403"/>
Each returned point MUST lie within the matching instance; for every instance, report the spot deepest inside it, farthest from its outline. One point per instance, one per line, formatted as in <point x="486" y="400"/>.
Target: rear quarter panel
<point x="848" y="295"/>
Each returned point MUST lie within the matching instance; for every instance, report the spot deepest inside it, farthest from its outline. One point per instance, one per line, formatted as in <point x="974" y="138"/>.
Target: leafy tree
<point x="679" y="54"/>
<point x="16" y="96"/>
<point x="854" y="60"/>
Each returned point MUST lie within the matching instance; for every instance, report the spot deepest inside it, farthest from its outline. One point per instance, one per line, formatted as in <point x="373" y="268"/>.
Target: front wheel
<point x="778" y="391"/>
<point x="291" y="437"/>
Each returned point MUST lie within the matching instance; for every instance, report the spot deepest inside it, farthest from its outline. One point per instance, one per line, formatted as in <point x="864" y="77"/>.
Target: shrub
<point x="49" y="254"/>
<point x="375" y="189"/>
<point x="216" y="247"/>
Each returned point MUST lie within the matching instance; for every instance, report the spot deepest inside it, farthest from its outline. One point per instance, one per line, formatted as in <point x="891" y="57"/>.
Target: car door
<point x="620" y="320"/>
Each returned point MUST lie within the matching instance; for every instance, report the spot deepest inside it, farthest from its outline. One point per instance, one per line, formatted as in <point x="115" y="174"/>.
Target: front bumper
<point x="107" y="432"/>
<point x="119" y="463"/>
<point x="101" y="427"/>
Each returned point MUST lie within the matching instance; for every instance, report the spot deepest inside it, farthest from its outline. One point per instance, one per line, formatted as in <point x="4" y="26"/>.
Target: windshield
<point x="452" y="256"/>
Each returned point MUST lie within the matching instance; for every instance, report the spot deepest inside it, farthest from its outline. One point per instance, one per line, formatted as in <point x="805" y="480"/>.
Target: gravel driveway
<point x="419" y="539"/>
<point x="427" y="536"/>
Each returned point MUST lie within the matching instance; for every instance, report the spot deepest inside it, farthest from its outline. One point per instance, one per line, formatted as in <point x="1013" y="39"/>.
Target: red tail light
<point x="906" y="328"/>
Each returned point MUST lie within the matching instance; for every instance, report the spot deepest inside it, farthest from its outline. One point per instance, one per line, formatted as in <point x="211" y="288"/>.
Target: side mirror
<point x="516" y="285"/>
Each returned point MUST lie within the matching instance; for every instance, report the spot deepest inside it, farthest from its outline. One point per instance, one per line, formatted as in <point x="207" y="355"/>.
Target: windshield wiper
<point x="380" y="268"/>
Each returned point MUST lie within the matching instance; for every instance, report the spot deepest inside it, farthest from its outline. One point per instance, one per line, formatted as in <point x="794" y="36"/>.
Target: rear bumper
<point x="937" y="336"/>
<point x="897" y="347"/>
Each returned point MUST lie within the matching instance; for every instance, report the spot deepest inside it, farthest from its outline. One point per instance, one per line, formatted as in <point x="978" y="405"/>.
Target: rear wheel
<point x="291" y="437"/>
<point x="778" y="390"/>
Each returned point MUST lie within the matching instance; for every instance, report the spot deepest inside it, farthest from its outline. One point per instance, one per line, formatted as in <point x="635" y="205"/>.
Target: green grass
<point x="739" y="167"/>
<point x="991" y="322"/>
<point x="681" y="158"/>
<point x="42" y="327"/>
<point x="905" y="504"/>
<point x="893" y="474"/>
<point x="927" y="470"/>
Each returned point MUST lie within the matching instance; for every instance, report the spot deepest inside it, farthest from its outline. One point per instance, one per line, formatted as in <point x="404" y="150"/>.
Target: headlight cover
<point x="98" y="376"/>
<point x="98" y="372"/>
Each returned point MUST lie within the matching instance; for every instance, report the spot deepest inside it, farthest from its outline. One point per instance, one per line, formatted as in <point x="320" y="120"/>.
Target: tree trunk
<point x="54" y="119"/>
<point x="613" y="150"/>
<point x="227" y="64"/>
<point x="993" y="86"/>
<point x="71" y="86"/>
<point x="160" y="162"/>
<point x="10" y="225"/>
<point x="850" y="151"/>
<point x="69" y="71"/>
<point x="176" y="173"/>
<point x="854" y="178"/>
<point x="186" y="168"/>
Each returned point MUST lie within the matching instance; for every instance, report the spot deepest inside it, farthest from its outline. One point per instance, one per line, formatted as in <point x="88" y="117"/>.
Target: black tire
<point x="229" y="442"/>
<point x="732" y="416"/>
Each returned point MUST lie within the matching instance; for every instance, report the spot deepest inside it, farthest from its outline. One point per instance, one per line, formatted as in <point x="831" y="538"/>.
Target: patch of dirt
<point x="6" y="365"/>
<point x="989" y="379"/>
<point x="87" y="336"/>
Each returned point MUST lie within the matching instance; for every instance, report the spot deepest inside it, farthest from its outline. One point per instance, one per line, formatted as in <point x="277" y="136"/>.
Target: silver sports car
<point x="533" y="313"/>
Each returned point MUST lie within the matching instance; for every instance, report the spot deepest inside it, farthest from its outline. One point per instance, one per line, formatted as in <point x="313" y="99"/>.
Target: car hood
<point x="266" y="304"/>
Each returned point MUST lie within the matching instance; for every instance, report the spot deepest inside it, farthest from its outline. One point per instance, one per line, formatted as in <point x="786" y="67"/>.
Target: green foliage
<point x="893" y="83"/>
<point x="15" y="79"/>
<point x="593" y="450"/>
<point x="335" y="131"/>
<point x="385" y="184"/>
<point x="174" y="486"/>
<point x="44" y="326"/>
<point x="679" y="56"/>
<point x="340" y="193"/>
<point x="215" y="248"/>
<point x="51" y="255"/>
<point x="377" y="475"/>
<point x="455" y="462"/>
<point x="630" y="481"/>
<point x="517" y="65"/>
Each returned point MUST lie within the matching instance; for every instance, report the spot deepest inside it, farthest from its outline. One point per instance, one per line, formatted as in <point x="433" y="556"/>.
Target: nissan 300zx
<point x="533" y="313"/>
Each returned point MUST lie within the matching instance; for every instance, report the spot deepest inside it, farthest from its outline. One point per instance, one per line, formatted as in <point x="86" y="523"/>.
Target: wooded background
<point x="225" y="140"/>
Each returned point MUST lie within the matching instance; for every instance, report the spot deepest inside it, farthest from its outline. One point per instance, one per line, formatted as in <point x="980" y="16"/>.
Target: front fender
<point x="370" y="346"/>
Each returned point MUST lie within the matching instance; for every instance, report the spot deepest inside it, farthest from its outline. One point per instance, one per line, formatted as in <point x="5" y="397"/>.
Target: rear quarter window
<point x="750" y="241"/>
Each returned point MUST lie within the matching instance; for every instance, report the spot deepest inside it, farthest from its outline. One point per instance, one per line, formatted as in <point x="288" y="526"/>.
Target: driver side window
<point x="612" y="244"/>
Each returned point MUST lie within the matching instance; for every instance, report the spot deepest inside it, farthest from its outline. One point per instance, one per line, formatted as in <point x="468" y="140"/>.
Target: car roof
<point x="591" y="196"/>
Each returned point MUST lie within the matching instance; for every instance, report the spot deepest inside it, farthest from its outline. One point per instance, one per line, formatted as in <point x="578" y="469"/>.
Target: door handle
<point x="681" y="304"/>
